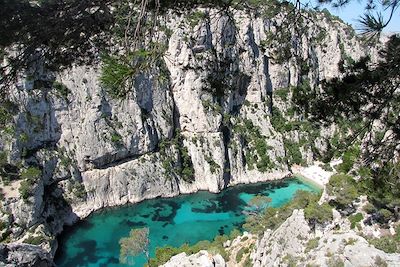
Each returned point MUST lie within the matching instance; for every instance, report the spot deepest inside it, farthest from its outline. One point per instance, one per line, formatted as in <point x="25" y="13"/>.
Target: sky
<point x="355" y="8"/>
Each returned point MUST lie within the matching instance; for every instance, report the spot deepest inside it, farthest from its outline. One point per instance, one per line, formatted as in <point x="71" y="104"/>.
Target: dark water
<point x="172" y="221"/>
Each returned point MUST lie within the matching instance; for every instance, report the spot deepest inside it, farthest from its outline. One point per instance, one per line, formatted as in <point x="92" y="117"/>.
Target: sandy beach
<point x="314" y="173"/>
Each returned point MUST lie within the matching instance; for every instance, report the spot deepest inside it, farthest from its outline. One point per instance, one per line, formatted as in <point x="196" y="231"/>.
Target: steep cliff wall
<point x="205" y="126"/>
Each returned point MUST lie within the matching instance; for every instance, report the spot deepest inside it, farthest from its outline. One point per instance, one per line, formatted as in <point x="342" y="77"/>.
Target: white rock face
<point x="99" y="130"/>
<point x="200" y="259"/>
<point x="194" y="59"/>
<point x="291" y="240"/>
<point x="287" y="239"/>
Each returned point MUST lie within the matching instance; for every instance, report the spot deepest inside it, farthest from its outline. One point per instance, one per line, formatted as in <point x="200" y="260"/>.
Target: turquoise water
<point x="172" y="221"/>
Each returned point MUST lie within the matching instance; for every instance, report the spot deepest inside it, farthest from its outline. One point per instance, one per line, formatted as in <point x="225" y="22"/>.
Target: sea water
<point x="94" y="241"/>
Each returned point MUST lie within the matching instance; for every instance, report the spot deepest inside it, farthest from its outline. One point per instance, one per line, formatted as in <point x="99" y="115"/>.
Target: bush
<point x="30" y="176"/>
<point x="278" y="121"/>
<point x="312" y="244"/>
<point x="349" y="157"/>
<point x="115" y="73"/>
<point x="318" y="213"/>
<point x="31" y="173"/>
<point x="214" y="167"/>
<point x="344" y="188"/>
<point x="293" y="153"/>
<point x="354" y="219"/>
<point x="241" y="252"/>
<point x="369" y="208"/>
<point x="35" y="240"/>
<point x="195" y="17"/>
<point x="303" y="97"/>
<point x="282" y="93"/>
<point x="386" y="243"/>
<point x="272" y="218"/>
<point x="25" y="189"/>
<point x="5" y="116"/>
<point x="335" y="261"/>
<point x="163" y="254"/>
<point x="382" y="186"/>
<point x="79" y="190"/>
<point x="61" y="89"/>
<point x="326" y="167"/>
<point x="116" y="138"/>
<point x="184" y="166"/>
<point x="385" y="215"/>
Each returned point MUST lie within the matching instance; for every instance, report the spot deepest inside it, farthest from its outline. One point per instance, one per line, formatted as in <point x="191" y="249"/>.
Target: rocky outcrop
<point x="287" y="239"/>
<point x="200" y="259"/>
<point x="24" y="255"/>
<point x="294" y="242"/>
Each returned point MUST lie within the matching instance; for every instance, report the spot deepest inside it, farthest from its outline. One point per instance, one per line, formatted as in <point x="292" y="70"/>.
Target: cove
<point x="172" y="221"/>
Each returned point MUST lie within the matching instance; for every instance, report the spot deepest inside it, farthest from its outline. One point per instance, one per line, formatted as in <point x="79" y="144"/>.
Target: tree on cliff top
<point x="371" y="24"/>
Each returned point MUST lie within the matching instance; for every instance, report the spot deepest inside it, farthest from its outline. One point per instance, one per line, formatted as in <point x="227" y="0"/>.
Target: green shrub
<point x="320" y="36"/>
<point x="350" y="241"/>
<point x="116" y="138"/>
<point x="5" y="116"/>
<point x="3" y="225"/>
<point x="30" y="173"/>
<point x="195" y="17"/>
<point x="241" y="252"/>
<point x="303" y="97"/>
<point x="382" y="186"/>
<point x="79" y="190"/>
<point x="335" y="261"/>
<point x="29" y="177"/>
<point x="282" y="93"/>
<point x="23" y="137"/>
<point x="386" y="243"/>
<point x="272" y="218"/>
<point x="25" y="189"/>
<point x="163" y="254"/>
<point x="386" y="215"/>
<point x="369" y="208"/>
<point x="35" y="240"/>
<point x="3" y="158"/>
<point x="290" y="260"/>
<point x="349" y="157"/>
<point x="293" y="153"/>
<point x="213" y="165"/>
<point x="278" y="121"/>
<point x="184" y="166"/>
<point x="344" y="188"/>
<point x="327" y="167"/>
<point x="318" y="213"/>
<point x="354" y="219"/>
<point x="312" y="244"/>
<point x="115" y="73"/>
<point x="61" y="89"/>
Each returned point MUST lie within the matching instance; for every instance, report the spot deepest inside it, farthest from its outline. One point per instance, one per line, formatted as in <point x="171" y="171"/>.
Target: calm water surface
<point x="172" y="221"/>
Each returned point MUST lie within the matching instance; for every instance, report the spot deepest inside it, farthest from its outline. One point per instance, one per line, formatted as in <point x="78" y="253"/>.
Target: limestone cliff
<point x="79" y="149"/>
